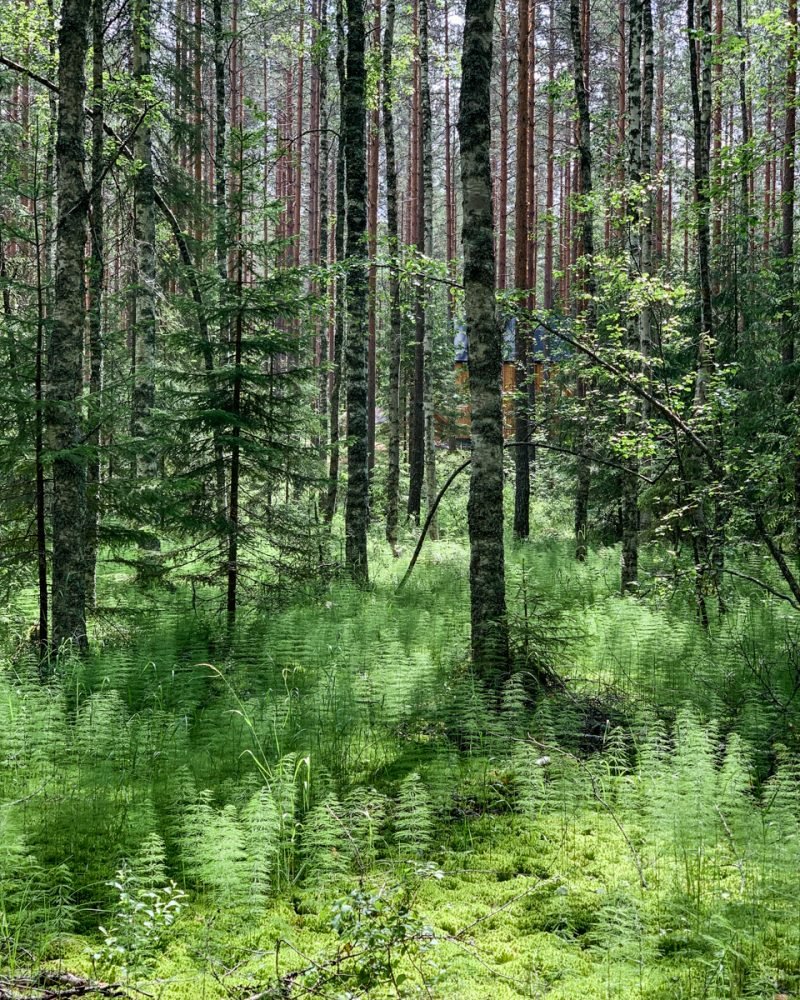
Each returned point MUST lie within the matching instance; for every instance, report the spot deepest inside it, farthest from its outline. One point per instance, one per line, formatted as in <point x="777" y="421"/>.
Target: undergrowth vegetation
<point x="324" y="802"/>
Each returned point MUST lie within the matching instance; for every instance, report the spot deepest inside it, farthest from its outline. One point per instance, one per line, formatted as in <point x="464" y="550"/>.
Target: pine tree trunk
<point x="354" y="128"/>
<point x="550" y="193"/>
<point x="485" y="506"/>
<point x="395" y="317"/>
<point x="65" y="361"/>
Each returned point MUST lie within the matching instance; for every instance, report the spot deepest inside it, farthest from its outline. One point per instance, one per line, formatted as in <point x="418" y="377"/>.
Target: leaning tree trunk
<point x="144" y="390"/>
<point x="395" y="316"/>
<point x="357" y="501"/>
<point x="485" y="506"/>
<point x="65" y="375"/>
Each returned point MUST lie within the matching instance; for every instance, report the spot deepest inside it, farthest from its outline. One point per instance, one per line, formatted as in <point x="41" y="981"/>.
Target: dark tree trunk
<point x="353" y="132"/>
<point x="65" y="362"/>
<point x="485" y="506"/>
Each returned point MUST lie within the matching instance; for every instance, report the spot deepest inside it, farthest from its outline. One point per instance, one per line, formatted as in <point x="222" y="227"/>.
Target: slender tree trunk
<point x="587" y="242"/>
<point x="144" y="388"/>
<point x="357" y="502"/>
<point x="96" y="280"/>
<point x="629" y="569"/>
<point x="416" y="437"/>
<point x="426" y="220"/>
<point x="522" y="470"/>
<point x="65" y="361"/>
<point x="395" y="317"/>
<point x="485" y="505"/>
<point x="502" y="188"/>
<point x="339" y="311"/>
<point x="549" y="192"/>
<point x="373" y="164"/>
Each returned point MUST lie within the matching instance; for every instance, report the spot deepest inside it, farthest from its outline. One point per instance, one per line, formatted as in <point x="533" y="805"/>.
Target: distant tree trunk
<point x="395" y="317"/>
<point x="502" y="192"/>
<point x="339" y="310"/>
<point x="65" y="362"/>
<point x="357" y="502"/>
<point x="322" y="251"/>
<point x="587" y="242"/>
<point x="94" y="407"/>
<point x="485" y="506"/>
<point x="144" y="388"/>
<point x="373" y="164"/>
<point x="426" y="220"/>
<point x="629" y="562"/>
<point x="416" y="437"/>
<point x="701" y="94"/>
<point x="522" y="463"/>
<point x="549" y="192"/>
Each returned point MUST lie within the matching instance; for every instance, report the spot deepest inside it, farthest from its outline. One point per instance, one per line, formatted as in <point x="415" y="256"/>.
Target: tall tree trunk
<point x="144" y="388"/>
<point x="426" y="221"/>
<point x="416" y="437"/>
<point x="788" y="331"/>
<point x="485" y="506"/>
<point x="94" y="408"/>
<point x="629" y="562"/>
<point x="587" y="242"/>
<point x="65" y="361"/>
<point x="549" y="221"/>
<point x="339" y="310"/>
<point x="395" y="316"/>
<point x="373" y="164"/>
<point x="354" y="128"/>
<point x="502" y="188"/>
<point x="522" y="463"/>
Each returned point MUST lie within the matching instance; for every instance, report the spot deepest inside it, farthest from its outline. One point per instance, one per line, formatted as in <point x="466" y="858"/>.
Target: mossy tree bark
<point x="522" y="458"/>
<point x="353" y="131"/>
<point x="65" y="361"/>
<point x="485" y="506"/>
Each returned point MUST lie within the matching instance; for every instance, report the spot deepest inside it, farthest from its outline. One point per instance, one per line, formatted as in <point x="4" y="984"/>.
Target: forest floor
<point x="323" y="803"/>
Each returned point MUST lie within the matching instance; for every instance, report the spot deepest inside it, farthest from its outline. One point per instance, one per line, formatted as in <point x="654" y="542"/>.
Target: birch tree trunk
<point x="485" y="506"/>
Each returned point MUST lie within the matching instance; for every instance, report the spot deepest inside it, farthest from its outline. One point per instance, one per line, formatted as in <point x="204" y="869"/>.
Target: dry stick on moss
<point x="599" y="797"/>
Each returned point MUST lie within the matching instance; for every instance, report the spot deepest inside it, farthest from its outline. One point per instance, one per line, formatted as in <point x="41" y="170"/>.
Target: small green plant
<point x="141" y="917"/>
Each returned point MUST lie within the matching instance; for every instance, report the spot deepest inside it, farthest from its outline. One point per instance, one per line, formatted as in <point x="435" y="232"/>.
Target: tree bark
<point x="144" y="387"/>
<point x="522" y="461"/>
<point x="65" y="361"/>
<point x="489" y="641"/>
<point x="354" y="127"/>
<point x="395" y="317"/>
<point x="94" y="408"/>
